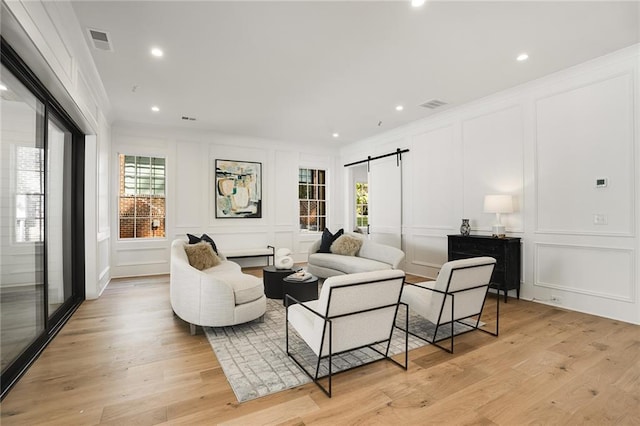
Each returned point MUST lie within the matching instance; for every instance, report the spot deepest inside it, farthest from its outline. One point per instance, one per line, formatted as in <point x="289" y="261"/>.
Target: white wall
<point x="190" y="194"/>
<point x="48" y="37"/>
<point x="546" y="143"/>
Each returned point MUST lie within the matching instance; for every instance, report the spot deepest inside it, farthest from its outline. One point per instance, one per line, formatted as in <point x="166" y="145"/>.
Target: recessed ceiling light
<point x="155" y="108"/>
<point x="336" y="135"/>
<point x="417" y="3"/>
<point x="157" y="52"/>
<point x="522" y="57"/>
<point x="399" y="108"/>
<point x="3" y="87"/>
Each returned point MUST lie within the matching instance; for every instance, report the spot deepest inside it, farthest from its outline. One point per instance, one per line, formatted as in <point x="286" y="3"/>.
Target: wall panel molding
<point x="428" y="247"/>
<point x="590" y="265"/>
<point x="494" y="136"/>
<point x="594" y="120"/>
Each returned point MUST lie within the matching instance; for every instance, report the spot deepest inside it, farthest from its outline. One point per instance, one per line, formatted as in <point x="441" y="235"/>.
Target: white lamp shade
<point x="498" y="204"/>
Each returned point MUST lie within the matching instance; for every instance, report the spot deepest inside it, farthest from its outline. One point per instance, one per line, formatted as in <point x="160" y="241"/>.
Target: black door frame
<point x="52" y="108"/>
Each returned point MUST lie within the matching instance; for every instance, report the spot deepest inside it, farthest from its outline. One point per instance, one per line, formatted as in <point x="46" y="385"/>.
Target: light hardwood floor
<point x="125" y="359"/>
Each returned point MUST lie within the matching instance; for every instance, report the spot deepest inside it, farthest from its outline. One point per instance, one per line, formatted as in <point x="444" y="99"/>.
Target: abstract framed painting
<point x="238" y="189"/>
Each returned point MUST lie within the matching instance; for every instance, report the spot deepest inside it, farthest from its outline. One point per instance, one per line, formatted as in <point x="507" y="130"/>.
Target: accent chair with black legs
<point x="457" y="294"/>
<point x="352" y="312"/>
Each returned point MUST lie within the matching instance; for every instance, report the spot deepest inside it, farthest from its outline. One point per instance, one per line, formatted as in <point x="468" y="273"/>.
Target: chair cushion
<point x="224" y="266"/>
<point x="346" y="264"/>
<point x="307" y="324"/>
<point x="246" y="288"/>
<point x="421" y="301"/>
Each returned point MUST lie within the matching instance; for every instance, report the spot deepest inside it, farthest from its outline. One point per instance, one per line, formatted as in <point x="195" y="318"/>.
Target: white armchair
<point x="458" y="293"/>
<point x="353" y="311"/>
<point x="216" y="297"/>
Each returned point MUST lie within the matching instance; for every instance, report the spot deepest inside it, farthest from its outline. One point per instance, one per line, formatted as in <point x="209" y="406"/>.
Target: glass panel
<point x="59" y="280"/>
<point x="127" y="206"/>
<point x="312" y="223"/>
<point x="313" y="208"/>
<point x="321" y="177"/>
<point x="143" y="207"/>
<point x="143" y="181"/>
<point x="304" y="208"/>
<point x="302" y="192"/>
<point x="127" y="228"/>
<point x="143" y="228"/>
<point x="21" y="225"/>
<point x="157" y="227"/>
<point x="157" y="207"/>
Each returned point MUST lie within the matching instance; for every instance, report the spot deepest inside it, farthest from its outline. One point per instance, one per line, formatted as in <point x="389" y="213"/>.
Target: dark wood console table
<point x="506" y="251"/>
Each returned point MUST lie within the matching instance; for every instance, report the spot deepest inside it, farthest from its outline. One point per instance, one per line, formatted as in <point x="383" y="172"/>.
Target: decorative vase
<point x="465" y="228"/>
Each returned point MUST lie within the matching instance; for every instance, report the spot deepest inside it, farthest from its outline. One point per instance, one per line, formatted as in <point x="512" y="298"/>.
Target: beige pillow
<point x="346" y="245"/>
<point x="201" y="255"/>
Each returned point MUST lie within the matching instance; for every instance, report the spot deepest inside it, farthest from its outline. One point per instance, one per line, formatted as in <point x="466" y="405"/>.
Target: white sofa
<point x="372" y="256"/>
<point x="215" y="297"/>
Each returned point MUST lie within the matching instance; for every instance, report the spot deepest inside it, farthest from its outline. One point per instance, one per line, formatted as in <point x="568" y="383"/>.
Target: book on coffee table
<point x="300" y="276"/>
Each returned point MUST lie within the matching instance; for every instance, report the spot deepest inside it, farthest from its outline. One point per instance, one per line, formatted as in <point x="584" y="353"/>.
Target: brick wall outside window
<point x="142" y="197"/>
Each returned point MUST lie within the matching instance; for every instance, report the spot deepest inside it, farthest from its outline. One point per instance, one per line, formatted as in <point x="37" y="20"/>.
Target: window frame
<point x="317" y="185"/>
<point x="120" y="174"/>
<point x="366" y="216"/>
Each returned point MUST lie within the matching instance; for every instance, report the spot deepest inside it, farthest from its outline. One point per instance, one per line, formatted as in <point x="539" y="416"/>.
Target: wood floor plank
<point x="126" y="359"/>
<point x="277" y="414"/>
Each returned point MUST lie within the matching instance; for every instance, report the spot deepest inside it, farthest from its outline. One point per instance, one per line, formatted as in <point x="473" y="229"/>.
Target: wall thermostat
<point x="601" y="182"/>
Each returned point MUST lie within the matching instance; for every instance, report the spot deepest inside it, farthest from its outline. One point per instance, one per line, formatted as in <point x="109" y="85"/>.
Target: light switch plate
<point x="599" y="219"/>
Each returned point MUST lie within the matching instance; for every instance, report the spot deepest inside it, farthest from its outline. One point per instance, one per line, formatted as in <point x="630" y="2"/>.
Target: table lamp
<point x="498" y="204"/>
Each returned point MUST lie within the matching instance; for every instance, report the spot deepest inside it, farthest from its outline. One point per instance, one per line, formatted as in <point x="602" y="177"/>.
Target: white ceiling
<point x="300" y="71"/>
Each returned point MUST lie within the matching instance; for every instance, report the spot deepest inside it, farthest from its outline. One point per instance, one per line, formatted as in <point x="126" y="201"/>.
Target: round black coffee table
<point x="273" y="283"/>
<point x="303" y="291"/>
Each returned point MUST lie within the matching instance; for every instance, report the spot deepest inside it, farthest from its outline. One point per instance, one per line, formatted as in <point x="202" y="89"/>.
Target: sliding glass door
<point x="22" y="296"/>
<point x="41" y="217"/>
<point x="58" y="201"/>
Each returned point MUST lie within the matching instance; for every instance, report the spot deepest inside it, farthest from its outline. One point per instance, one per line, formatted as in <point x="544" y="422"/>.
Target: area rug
<point x="254" y="359"/>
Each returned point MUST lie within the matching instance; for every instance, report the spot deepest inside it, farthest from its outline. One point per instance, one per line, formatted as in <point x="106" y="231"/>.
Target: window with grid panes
<point x="142" y="197"/>
<point x="362" y="204"/>
<point x="312" y="185"/>
<point x="29" y="207"/>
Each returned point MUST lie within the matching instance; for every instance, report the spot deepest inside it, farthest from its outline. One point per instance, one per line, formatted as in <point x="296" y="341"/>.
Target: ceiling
<point x="301" y="71"/>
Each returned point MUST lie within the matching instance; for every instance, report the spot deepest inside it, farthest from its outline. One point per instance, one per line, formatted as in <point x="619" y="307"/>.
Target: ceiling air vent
<point x="100" y="39"/>
<point x="433" y="103"/>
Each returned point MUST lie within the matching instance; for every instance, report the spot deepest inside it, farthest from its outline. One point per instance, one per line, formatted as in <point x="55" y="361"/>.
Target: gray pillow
<point x="346" y="245"/>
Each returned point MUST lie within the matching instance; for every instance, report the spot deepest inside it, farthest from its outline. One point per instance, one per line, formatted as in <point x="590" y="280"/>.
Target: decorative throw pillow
<point x="327" y="239"/>
<point x="201" y="256"/>
<point x="346" y="245"/>
<point x="195" y="240"/>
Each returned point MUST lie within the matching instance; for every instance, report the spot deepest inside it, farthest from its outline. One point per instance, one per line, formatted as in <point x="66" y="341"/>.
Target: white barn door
<point x="385" y="201"/>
